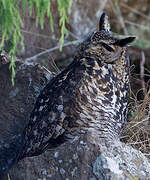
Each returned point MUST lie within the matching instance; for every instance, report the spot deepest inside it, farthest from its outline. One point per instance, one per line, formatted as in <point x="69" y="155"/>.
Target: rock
<point x="85" y="158"/>
<point x="16" y="104"/>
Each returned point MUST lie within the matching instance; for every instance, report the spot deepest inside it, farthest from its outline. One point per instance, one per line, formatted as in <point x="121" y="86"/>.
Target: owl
<point x="91" y="94"/>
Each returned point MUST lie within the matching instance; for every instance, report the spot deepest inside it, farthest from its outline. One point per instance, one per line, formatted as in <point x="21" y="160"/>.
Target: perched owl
<point x="91" y="94"/>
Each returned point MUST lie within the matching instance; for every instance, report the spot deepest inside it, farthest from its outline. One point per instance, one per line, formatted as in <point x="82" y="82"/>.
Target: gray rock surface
<point x="85" y="158"/>
<point x="16" y="104"/>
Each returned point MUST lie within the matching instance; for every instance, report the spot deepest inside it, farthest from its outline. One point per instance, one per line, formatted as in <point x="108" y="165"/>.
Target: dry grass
<point x="137" y="131"/>
<point x="134" y="20"/>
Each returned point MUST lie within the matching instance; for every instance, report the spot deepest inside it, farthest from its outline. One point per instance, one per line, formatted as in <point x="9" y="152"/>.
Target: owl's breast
<point x="100" y="103"/>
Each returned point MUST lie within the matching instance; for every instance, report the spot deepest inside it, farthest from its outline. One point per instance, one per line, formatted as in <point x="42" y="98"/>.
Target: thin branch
<point x="8" y="176"/>
<point x="52" y="61"/>
<point x="135" y="11"/>
<point x="149" y="110"/>
<point x="139" y="142"/>
<point x="142" y="63"/>
<point x="101" y="8"/>
<point x="119" y="16"/>
<point x="103" y="4"/>
<point x="138" y="25"/>
<point x="37" y="34"/>
<point x="33" y="58"/>
<point x="145" y="103"/>
<point x="73" y="35"/>
<point x="137" y="123"/>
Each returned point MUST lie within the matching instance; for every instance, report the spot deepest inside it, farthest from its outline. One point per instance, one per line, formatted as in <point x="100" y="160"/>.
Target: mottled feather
<point x="91" y="94"/>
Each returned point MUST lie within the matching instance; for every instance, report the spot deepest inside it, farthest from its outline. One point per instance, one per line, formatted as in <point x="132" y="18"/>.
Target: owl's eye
<point x="107" y="47"/>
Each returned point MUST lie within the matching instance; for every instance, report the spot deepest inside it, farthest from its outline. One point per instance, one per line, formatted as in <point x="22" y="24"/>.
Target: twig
<point x="142" y="63"/>
<point x="149" y="111"/>
<point x="138" y="123"/>
<point x="138" y="25"/>
<point x="101" y="8"/>
<point x="54" y="64"/>
<point x="73" y="35"/>
<point x="139" y="142"/>
<point x="8" y="176"/>
<point x="103" y="4"/>
<point x="119" y="16"/>
<point x="47" y="71"/>
<point x="37" y="34"/>
<point x="135" y="11"/>
<point x="33" y="58"/>
<point x="144" y="104"/>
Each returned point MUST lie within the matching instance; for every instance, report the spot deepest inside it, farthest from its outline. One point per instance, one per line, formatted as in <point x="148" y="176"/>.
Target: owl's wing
<point x="52" y="108"/>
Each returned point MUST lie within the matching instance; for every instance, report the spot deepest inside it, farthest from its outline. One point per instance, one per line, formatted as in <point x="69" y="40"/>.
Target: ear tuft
<point x="125" y="41"/>
<point x="104" y="23"/>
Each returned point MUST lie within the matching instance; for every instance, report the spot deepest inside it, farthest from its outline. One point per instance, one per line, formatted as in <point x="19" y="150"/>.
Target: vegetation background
<point x="47" y="32"/>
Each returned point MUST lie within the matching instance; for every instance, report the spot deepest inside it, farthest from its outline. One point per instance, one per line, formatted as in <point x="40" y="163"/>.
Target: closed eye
<point x="107" y="47"/>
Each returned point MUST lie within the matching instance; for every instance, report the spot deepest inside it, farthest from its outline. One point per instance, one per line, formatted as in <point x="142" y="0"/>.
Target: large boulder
<point x="16" y="104"/>
<point x="85" y="158"/>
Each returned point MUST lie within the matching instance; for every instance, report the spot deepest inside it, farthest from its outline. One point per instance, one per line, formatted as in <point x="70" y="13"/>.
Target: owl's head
<point x="102" y="44"/>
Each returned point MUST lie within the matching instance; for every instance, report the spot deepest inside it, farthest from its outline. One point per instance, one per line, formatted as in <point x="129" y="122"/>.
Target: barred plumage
<point x="91" y="94"/>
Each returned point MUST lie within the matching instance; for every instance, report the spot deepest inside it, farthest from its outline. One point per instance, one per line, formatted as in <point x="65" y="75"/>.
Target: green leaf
<point x="11" y="23"/>
<point x="64" y="7"/>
